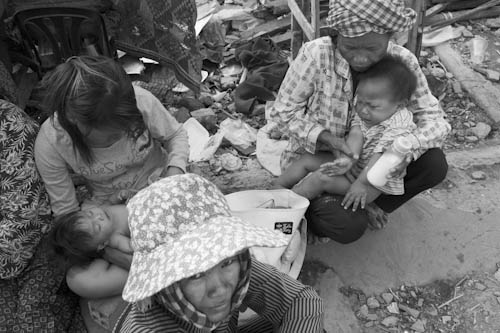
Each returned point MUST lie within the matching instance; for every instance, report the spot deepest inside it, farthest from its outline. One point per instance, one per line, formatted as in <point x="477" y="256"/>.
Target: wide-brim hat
<point x="181" y="226"/>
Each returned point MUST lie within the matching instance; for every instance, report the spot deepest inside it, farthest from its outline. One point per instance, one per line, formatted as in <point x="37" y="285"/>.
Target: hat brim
<point x="194" y="252"/>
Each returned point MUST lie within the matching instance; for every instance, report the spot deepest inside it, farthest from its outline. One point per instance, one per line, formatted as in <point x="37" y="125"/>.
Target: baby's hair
<point x="96" y="92"/>
<point x="70" y="241"/>
<point x="402" y="80"/>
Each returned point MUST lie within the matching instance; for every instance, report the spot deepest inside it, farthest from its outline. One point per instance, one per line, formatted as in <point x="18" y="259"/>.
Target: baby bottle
<point x="395" y="154"/>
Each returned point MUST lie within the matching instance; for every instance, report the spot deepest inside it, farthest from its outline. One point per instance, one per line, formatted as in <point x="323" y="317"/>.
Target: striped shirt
<point x="282" y="303"/>
<point x="378" y="138"/>
<point x="317" y="94"/>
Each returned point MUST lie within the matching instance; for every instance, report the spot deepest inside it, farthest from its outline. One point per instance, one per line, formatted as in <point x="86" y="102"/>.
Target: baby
<point x="80" y="238"/>
<point x="381" y="116"/>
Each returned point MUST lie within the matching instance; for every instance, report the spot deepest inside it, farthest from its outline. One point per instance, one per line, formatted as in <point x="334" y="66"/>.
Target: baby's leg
<point x="316" y="183"/>
<point x="301" y="167"/>
<point x="338" y="167"/>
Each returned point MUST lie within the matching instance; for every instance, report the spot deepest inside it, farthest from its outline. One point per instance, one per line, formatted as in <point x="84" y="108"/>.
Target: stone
<point x="481" y="130"/>
<point x="478" y="175"/>
<point x="471" y="138"/>
<point x="466" y="33"/>
<point x="207" y="100"/>
<point x="206" y="117"/>
<point x="413" y="294"/>
<point x="420" y="302"/>
<point x="393" y="308"/>
<point x="181" y="114"/>
<point x="492" y="75"/>
<point x="190" y="103"/>
<point x="434" y="58"/>
<point x="493" y="23"/>
<point x="497" y="276"/>
<point x="432" y="311"/>
<point x="497" y="32"/>
<point x="445" y="319"/>
<point x="372" y="303"/>
<point x="457" y="87"/>
<point x="438" y="72"/>
<point x="418" y="326"/>
<point x="388" y="297"/>
<point x="412" y="312"/>
<point x="363" y="311"/>
<point x="479" y="286"/>
<point x="424" y="53"/>
<point x="369" y="324"/>
<point x="372" y="316"/>
<point x="390" y="321"/>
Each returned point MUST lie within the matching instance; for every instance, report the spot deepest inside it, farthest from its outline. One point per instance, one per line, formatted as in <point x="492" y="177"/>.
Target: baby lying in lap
<point x="81" y="237"/>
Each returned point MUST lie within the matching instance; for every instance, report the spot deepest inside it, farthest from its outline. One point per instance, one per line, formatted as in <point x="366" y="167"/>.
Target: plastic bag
<point x="239" y="133"/>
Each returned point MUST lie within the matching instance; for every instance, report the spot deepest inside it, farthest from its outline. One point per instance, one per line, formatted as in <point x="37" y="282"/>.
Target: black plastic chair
<point x="52" y="35"/>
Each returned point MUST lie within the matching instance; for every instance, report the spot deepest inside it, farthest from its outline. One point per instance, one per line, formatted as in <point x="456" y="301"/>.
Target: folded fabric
<point x="266" y="70"/>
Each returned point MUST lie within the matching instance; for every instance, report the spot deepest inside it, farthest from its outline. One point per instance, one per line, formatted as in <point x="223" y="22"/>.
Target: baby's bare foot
<point x="310" y="186"/>
<point x="338" y="167"/>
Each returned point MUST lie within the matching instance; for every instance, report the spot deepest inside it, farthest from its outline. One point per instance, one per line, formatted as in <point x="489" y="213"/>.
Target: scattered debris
<point x="478" y="175"/>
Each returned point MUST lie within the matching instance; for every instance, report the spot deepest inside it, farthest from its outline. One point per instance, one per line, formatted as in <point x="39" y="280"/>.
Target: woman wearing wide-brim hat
<point x="192" y="271"/>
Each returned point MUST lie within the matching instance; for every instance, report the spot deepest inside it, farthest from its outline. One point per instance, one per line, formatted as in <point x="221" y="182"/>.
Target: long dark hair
<point x="93" y="91"/>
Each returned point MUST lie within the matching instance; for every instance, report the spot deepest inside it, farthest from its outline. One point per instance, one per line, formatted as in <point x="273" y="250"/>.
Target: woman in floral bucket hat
<point x="314" y="107"/>
<point x="192" y="272"/>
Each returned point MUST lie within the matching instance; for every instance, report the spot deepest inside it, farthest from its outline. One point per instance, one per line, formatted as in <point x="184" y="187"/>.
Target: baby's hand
<point x="338" y="167"/>
<point x="121" y="196"/>
<point x="120" y="242"/>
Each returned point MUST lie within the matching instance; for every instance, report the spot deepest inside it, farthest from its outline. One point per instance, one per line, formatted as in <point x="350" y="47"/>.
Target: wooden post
<point x="415" y="33"/>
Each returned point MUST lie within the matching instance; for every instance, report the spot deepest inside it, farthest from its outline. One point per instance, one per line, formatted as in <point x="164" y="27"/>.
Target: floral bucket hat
<point x="181" y="226"/>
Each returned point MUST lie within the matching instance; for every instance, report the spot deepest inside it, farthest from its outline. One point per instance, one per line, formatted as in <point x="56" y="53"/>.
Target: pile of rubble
<point x="465" y="305"/>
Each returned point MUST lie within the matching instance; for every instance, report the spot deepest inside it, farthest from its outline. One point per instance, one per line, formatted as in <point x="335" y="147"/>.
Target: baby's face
<point x="374" y="101"/>
<point x="97" y="222"/>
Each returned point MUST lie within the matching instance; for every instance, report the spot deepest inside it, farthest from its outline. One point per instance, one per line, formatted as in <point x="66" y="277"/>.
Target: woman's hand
<point x="173" y="170"/>
<point x="399" y="171"/>
<point x="355" y="196"/>
<point x="117" y="257"/>
<point x="121" y="196"/>
<point x="335" y="144"/>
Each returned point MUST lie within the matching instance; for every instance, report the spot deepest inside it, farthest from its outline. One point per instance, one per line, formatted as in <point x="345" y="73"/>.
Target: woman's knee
<point x="433" y="163"/>
<point x="327" y="218"/>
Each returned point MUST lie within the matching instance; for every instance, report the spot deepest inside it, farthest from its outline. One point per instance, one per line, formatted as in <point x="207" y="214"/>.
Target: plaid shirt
<point x="377" y="138"/>
<point x="317" y="94"/>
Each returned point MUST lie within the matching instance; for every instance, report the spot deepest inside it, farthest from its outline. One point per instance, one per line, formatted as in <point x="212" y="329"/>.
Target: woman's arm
<point x="120" y="242"/>
<point x="289" y="108"/>
<point x="56" y="176"/>
<point x="97" y="280"/>
<point x="117" y="257"/>
<point x="432" y="128"/>
<point x="285" y="302"/>
<point x="165" y="128"/>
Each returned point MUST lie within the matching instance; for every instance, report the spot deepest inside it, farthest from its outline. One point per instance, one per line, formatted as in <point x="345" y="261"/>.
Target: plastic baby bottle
<point x="395" y="154"/>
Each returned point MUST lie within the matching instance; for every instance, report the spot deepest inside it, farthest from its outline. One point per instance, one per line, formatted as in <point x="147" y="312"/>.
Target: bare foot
<point x="377" y="218"/>
<point x="338" y="167"/>
<point x="310" y="186"/>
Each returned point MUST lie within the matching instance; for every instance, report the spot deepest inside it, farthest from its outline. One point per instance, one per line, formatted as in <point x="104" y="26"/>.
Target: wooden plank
<point x="484" y="93"/>
<point x="315" y="21"/>
<point x="269" y="27"/>
<point x="301" y="19"/>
